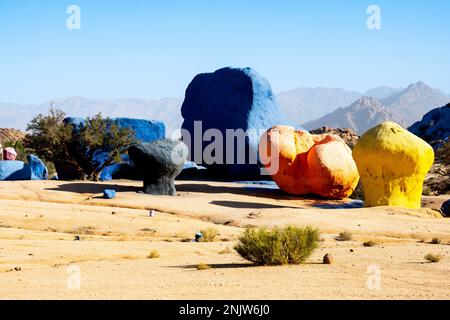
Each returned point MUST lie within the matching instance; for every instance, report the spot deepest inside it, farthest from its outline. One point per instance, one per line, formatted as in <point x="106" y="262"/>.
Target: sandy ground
<point x="39" y="258"/>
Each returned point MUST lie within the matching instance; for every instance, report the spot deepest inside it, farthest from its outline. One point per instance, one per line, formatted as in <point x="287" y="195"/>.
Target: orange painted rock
<point x="302" y="163"/>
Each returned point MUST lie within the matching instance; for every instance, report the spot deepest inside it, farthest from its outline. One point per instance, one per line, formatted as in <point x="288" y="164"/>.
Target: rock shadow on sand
<point x="251" y="205"/>
<point x="93" y="187"/>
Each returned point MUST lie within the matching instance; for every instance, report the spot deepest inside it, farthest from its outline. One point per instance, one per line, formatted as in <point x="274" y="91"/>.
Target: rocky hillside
<point x="413" y="102"/>
<point x="10" y="135"/>
<point x="362" y="115"/>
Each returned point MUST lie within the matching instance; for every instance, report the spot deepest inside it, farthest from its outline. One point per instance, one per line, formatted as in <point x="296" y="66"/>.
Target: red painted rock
<point x="302" y="163"/>
<point x="9" y="154"/>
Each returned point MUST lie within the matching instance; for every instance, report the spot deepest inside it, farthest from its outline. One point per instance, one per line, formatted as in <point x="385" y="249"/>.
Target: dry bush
<point x="435" y="241"/>
<point x="291" y="245"/>
<point x="433" y="257"/>
<point x="345" y="236"/>
<point x="203" y="266"/>
<point x="154" y="254"/>
<point x="209" y="235"/>
<point x="369" y="243"/>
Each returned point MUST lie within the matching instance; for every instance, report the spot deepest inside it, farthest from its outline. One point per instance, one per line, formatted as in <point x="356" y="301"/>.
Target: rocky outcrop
<point x="362" y="115"/>
<point x="228" y="99"/>
<point x="10" y="135"/>
<point x="301" y="163"/>
<point x="348" y="135"/>
<point x="392" y="163"/>
<point x="159" y="163"/>
<point x="434" y="126"/>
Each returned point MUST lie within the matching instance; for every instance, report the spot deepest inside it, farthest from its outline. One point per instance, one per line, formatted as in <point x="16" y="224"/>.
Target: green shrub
<point x="209" y="235"/>
<point x="291" y="245"/>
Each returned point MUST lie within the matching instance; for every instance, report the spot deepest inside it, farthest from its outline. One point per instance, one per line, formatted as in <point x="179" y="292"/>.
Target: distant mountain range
<point x="311" y="107"/>
<point x="304" y="105"/>
<point x="167" y="110"/>
<point x="360" y="116"/>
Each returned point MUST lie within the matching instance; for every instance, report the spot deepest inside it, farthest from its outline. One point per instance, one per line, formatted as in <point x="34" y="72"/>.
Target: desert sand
<point x="40" y="220"/>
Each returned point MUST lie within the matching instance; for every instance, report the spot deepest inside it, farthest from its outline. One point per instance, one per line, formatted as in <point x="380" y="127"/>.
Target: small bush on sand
<point x="227" y="250"/>
<point x="209" y="235"/>
<point x="433" y="257"/>
<point x="154" y="254"/>
<point x="203" y="266"/>
<point x="435" y="241"/>
<point x="345" y="236"/>
<point x="291" y="245"/>
<point x="369" y="243"/>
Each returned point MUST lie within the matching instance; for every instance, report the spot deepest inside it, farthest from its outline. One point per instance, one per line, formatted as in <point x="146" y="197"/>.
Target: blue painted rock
<point x="19" y="170"/>
<point x="434" y="127"/>
<point x="109" y="194"/>
<point x="445" y="209"/>
<point x="144" y="130"/>
<point x="159" y="162"/>
<point x="12" y="170"/>
<point x="228" y="99"/>
<point x="38" y="169"/>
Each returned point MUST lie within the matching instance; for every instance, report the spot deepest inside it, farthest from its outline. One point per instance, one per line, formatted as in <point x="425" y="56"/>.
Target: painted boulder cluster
<point x="233" y="100"/>
<point x="302" y="163"/>
<point x="392" y="163"/>
<point x="13" y="170"/>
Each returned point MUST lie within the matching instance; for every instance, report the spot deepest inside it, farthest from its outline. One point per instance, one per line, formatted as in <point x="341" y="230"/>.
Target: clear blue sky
<point x="152" y="49"/>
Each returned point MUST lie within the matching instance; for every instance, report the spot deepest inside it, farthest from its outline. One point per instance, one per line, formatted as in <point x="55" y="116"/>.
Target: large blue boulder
<point x="144" y="130"/>
<point x="19" y="170"/>
<point x="434" y="127"/>
<point x="233" y="99"/>
<point x="38" y="169"/>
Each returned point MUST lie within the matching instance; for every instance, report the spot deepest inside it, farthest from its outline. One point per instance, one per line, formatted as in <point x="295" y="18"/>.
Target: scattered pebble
<point x="77" y="238"/>
<point x="328" y="259"/>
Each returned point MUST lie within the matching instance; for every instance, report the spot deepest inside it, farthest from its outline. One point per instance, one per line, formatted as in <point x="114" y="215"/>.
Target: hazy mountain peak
<point x="414" y="101"/>
<point x="365" y="101"/>
<point x="382" y="92"/>
<point x="362" y="115"/>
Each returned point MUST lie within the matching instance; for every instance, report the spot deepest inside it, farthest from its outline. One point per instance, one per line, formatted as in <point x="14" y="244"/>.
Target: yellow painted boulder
<point x="392" y="163"/>
<point x="302" y="163"/>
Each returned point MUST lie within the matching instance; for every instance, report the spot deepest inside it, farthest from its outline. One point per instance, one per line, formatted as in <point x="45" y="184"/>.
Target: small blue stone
<point x="198" y="236"/>
<point x="109" y="194"/>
